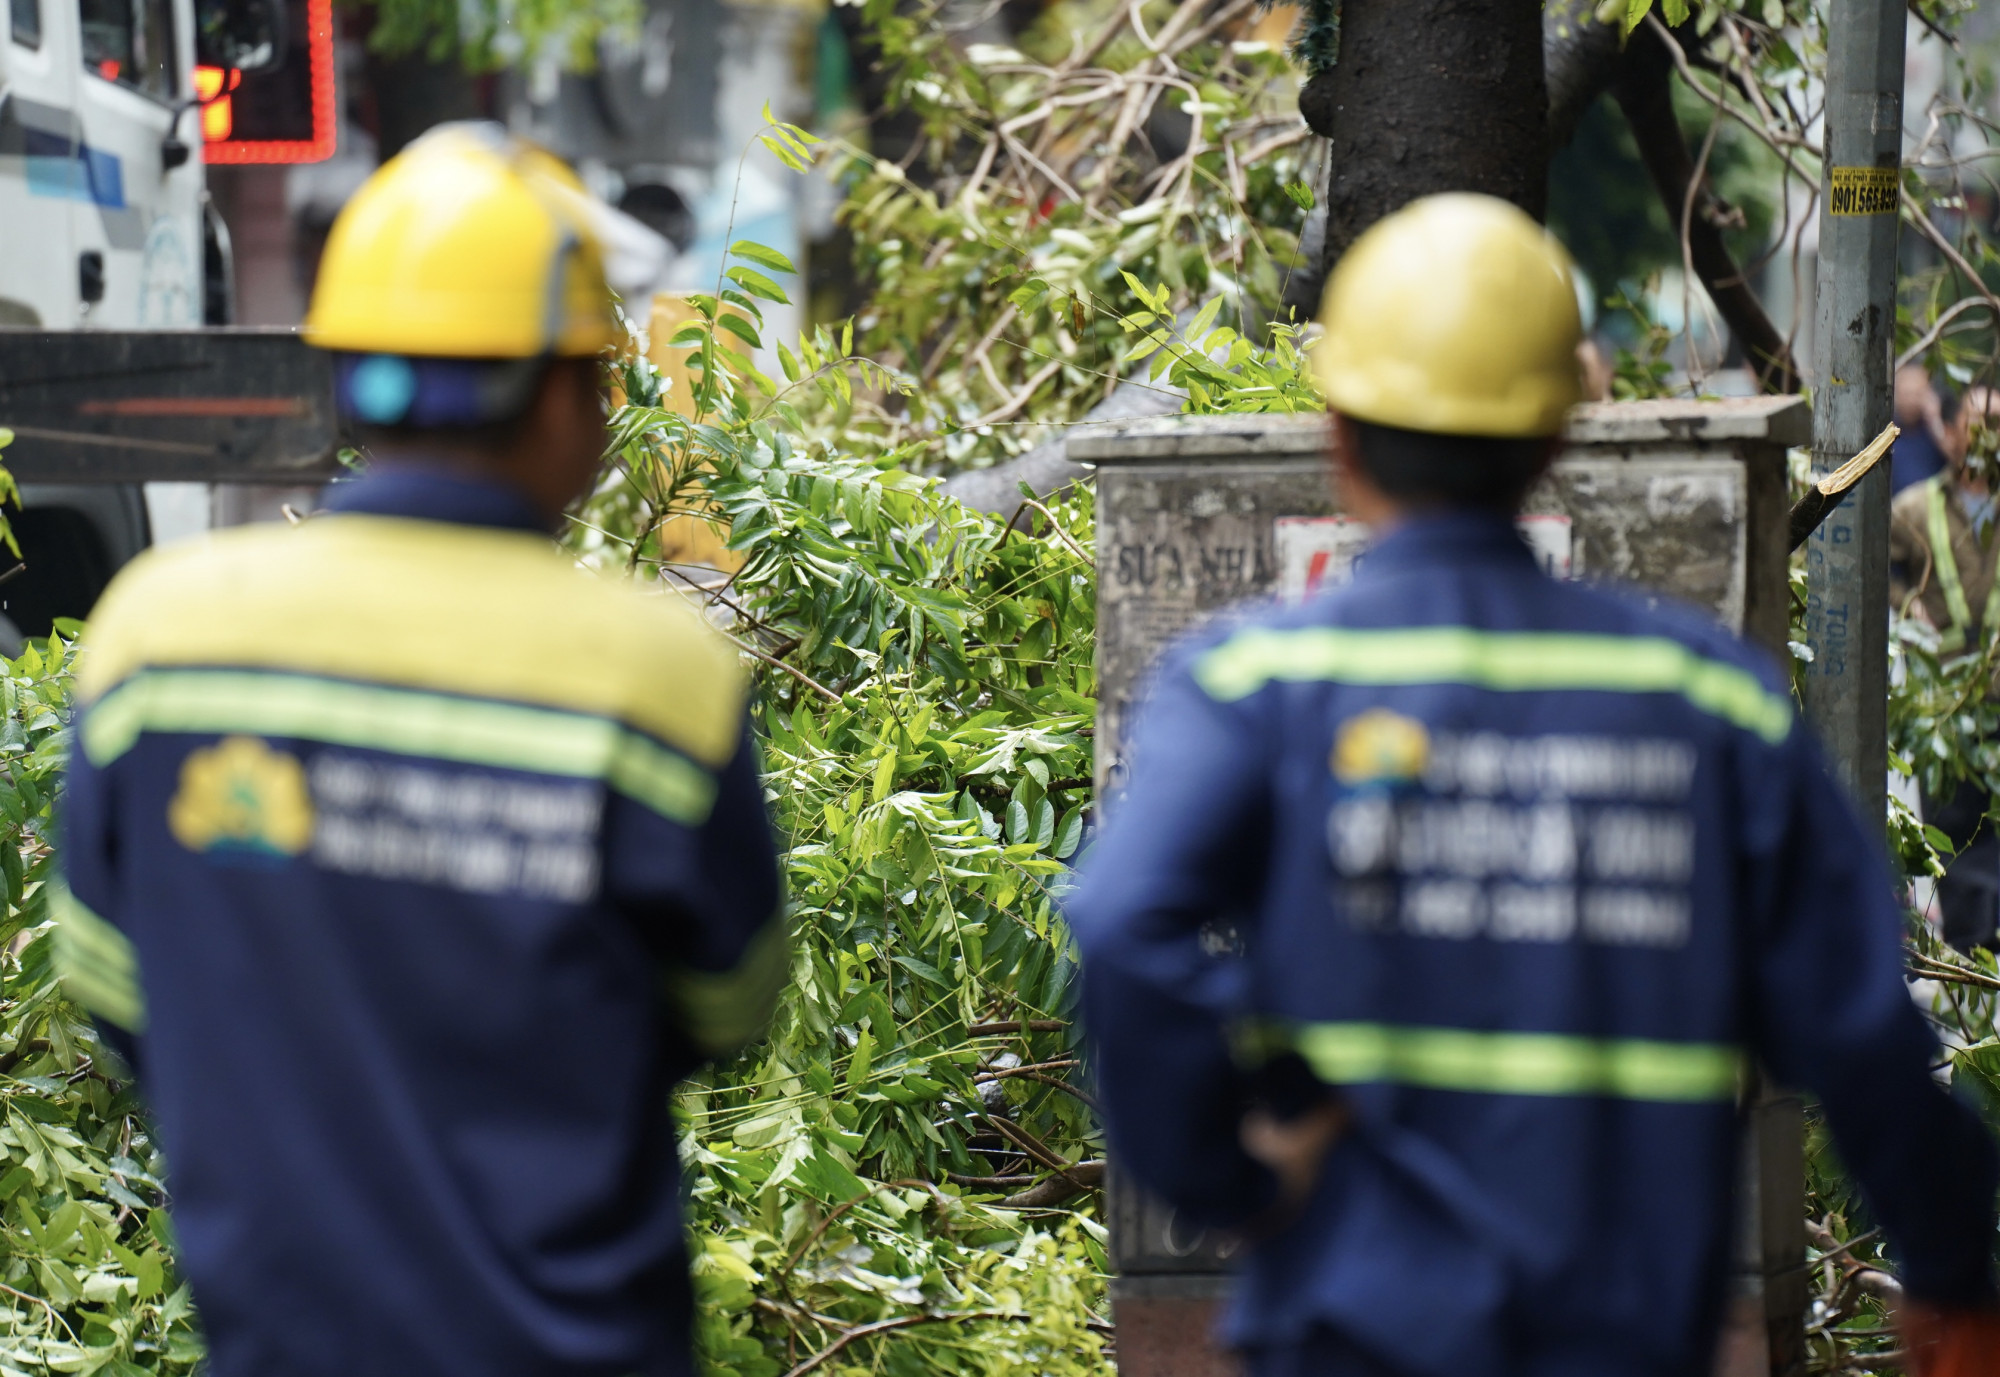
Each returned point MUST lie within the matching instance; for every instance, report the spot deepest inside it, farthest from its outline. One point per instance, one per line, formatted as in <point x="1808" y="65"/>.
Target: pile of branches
<point x="1155" y="141"/>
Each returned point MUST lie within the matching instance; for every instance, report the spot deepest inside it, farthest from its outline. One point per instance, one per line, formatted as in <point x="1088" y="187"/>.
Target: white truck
<point x="105" y="226"/>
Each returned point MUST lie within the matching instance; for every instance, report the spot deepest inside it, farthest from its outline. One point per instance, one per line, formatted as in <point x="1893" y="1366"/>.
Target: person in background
<point x="1942" y="561"/>
<point x="410" y="863"/>
<point x="1522" y="877"/>
<point x="1919" y="450"/>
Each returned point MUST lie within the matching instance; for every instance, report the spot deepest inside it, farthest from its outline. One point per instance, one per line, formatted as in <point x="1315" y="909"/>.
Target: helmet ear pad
<point x="398" y="391"/>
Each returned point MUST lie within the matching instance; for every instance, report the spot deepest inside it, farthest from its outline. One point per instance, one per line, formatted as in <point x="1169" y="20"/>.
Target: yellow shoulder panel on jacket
<point x="455" y="609"/>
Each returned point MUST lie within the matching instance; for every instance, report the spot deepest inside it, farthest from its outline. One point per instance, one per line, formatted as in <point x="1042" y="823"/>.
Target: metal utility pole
<point x="1847" y="559"/>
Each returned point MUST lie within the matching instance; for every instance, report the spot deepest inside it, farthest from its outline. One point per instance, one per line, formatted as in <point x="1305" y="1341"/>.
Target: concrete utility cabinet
<point x="1196" y="513"/>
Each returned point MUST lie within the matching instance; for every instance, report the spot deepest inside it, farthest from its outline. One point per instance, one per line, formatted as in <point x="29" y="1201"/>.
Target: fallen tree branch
<point x="1021" y="397"/>
<point x="1918" y="216"/>
<point x="1930" y="968"/>
<point x="774" y="662"/>
<point x="1035" y="1148"/>
<point x="819" y="1230"/>
<point x="865" y="1331"/>
<point x="1065" y="1086"/>
<point x="1055" y="527"/>
<point x="1936" y="332"/>
<point x="1862" y="1277"/>
<point x="992" y="1073"/>
<point x="1822" y="497"/>
<point x="1058" y="1190"/>
<point x="1033" y="1025"/>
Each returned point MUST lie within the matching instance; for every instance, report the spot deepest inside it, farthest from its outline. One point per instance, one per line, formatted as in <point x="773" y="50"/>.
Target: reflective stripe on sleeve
<point x="1519" y="1063"/>
<point x="98" y="966"/>
<point x="1938" y="528"/>
<point x="1503" y="660"/>
<point x="1945" y="564"/>
<point x="404" y="721"/>
<point x="723" y="1010"/>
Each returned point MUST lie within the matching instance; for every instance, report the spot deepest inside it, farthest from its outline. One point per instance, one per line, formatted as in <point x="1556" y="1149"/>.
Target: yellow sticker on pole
<point x="1864" y="191"/>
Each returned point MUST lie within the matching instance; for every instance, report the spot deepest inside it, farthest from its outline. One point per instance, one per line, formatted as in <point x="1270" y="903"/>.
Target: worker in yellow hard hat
<point x="1522" y="875"/>
<point x="411" y="864"/>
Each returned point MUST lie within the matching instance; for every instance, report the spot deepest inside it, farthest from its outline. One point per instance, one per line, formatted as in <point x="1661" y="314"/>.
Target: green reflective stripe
<point x="668" y="784"/>
<point x="1946" y="564"/>
<point x="405" y="721"/>
<point x="722" y="1011"/>
<point x="1511" y="661"/>
<point x="98" y="967"/>
<point x="1519" y="1063"/>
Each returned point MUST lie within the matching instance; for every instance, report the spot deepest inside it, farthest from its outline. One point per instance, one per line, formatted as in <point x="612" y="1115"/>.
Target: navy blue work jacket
<point x="418" y="864"/>
<point x="1532" y="872"/>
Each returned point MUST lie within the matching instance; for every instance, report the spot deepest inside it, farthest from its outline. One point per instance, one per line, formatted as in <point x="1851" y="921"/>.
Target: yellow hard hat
<point x="1456" y="315"/>
<point x="468" y="244"/>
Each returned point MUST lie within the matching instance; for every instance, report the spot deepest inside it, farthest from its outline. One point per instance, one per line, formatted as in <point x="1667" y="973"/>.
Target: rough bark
<point x="1643" y="89"/>
<point x="1428" y="96"/>
<point x="1433" y="95"/>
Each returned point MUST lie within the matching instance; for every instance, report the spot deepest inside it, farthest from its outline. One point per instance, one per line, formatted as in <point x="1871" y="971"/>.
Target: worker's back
<point x="1516" y="865"/>
<point x="422" y="839"/>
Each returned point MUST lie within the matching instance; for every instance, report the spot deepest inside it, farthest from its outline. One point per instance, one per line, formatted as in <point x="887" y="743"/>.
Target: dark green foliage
<point x="87" y="1281"/>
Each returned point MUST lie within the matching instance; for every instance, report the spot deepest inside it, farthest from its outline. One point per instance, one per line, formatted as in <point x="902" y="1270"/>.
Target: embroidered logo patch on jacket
<point x="240" y="795"/>
<point x="1380" y="745"/>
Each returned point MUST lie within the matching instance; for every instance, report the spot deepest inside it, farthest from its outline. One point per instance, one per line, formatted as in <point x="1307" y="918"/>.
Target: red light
<point x="108" y="69"/>
<point x="222" y="148"/>
<point x="212" y="86"/>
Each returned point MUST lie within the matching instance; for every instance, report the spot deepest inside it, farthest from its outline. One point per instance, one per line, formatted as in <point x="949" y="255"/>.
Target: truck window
<point x="24" y="19"/>
<point x="131" y="42"/>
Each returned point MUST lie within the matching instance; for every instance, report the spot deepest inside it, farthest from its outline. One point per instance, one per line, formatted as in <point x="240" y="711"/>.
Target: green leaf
<point x="858" y="1064"/>
<point x="784" y="154"/>
<point x="1069" y="835"/>
<point x="1203" y="318"/>
<point x="1019" y="827"/>
<point x="1045" y="824"/>
<point x="741" y="328"/>
<point x="762" y="255"/>
<point x="826" y="1177"/>
<point x="924" y="969"/>
<point x="1028" y="294"/>
<point x="1301" y="194"/>
<point x="148" y="1269"/>
<point x="758" y="285"/>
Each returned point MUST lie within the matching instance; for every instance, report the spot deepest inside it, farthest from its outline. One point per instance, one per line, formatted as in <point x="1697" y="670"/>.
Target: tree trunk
<point x="1474" y="95"/>
<point x="1431" y="95"/>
